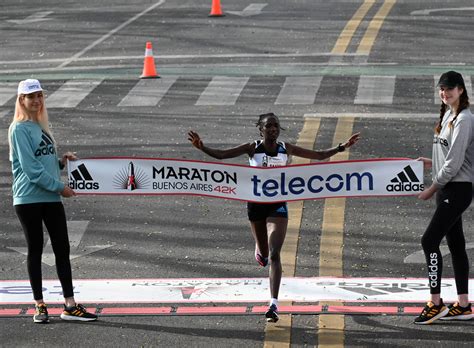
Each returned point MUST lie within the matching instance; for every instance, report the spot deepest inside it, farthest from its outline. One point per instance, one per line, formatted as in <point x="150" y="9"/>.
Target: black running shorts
<point x="259" y="211"/>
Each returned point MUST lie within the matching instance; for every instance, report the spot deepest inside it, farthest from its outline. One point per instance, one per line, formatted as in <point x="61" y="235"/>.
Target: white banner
<point x="156" y="176"/>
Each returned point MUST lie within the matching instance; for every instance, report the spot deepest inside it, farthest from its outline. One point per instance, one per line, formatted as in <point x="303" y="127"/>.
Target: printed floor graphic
<point x="230" y="296"/>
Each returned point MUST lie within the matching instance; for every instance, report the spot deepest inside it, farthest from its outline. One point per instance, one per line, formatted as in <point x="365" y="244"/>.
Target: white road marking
<point x="371" y="115"/>
<point x="250" y="10"/>
<point x="109" y="34"/>
<point x="222" y="90"/>
<point x="419" y="256"/>
<point x="35" y="17"/>
<point x="70" y="94"/>
<point x="299" y="90"/>
<point x="76" y="230"/>
<point x="429" y="11"/>
<point x="375" y="90"/>
<point x="148" y="92"/>
<point x="190" y="56"/>
<point x="7" y="91"/>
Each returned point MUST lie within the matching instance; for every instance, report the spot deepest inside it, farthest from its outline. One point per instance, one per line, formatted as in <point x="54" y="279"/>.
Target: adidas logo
<point x="46" y="146"/>
<point x="81" y="179"/>
<point x="406" y="180"/>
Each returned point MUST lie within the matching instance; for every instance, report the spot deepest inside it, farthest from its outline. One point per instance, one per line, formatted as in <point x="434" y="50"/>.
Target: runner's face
<point x="33" y="101"/>
<point x="270" y="128"/>
<point x="450" y="96"/>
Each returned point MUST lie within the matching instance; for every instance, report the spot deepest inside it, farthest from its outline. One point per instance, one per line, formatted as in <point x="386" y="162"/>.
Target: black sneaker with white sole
<point x="431" y="312"/>
<point x="272" y="314"/>
<point x="77" y="313"/>
<point x="456" y="312"/>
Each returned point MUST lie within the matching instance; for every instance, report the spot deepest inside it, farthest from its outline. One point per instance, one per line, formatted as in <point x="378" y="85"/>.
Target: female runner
<point x="269" y="221"/>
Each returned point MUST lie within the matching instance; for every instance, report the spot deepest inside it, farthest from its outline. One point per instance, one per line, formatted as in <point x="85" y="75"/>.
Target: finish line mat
<point x="222" y="310"/>
<point x="231" y="290"/>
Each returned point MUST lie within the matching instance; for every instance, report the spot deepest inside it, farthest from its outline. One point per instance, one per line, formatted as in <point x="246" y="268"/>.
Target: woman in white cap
<point x="37" y="191"/>
<point x="452" y="173"/>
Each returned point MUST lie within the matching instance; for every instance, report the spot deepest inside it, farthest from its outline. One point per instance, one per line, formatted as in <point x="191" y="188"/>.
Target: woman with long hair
<point x="452" y="173"/>
<point x="37" y="190"/>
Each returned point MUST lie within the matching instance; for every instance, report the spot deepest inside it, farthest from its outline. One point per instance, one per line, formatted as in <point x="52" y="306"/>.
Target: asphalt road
<point x="100" y="45"/>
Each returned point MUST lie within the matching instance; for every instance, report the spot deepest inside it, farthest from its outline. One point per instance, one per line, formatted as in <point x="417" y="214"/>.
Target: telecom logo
<point x="131" y="178"/>
<point x="46" y="146"/>
<point x="405" y="181"/>
<point x="81" y="179"/>
<point x="315" y="184"/>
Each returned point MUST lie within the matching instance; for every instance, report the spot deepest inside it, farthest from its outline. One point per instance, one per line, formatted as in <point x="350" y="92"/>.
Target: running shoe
<point x="431" y="312"/>
<point x="41" y="314"/>
<point x="272" y="314"/>
<point x="456" y="312"/>
<point x="262" y="261"/>
<point x="77" y="312"/>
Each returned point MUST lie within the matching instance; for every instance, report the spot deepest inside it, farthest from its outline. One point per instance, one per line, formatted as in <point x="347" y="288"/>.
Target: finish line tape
<point x="148" y="176"/>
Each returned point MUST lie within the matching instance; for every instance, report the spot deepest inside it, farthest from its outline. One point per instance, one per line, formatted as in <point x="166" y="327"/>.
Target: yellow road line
<point x="348" y="32"/>
<point x="306" y="139"/>
<point x="331" y="326"/>
<point x="372" y="31"/>
<point x="279" y="335"/>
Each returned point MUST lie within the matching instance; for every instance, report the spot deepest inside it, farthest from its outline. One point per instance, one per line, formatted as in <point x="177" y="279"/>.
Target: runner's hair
<point x="261" y="117"/>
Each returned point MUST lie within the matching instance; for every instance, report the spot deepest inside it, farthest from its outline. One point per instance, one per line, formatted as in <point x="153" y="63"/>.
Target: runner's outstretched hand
<point x="352" y="140"/>
<point x="195" y="139"/>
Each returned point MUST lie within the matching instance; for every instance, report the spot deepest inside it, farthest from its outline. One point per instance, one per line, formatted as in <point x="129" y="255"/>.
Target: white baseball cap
<point x="29" y="86"/>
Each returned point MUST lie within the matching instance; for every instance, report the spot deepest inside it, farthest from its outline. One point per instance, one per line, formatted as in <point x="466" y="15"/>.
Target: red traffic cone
<point x="216" y="10"/>
<point x="149" y="71"/>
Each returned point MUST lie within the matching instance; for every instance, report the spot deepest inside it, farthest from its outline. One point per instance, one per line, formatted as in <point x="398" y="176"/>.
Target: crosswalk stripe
<point x="7" y="91"/>
<point x="467" y="82"/>
<point x="4" y="130"/>
<point x="372" y="115"/>
<point x="299" y="90"/>
<point x="375" y="90"/>
<point x="148" y="92"/>
<point x="225" y="90"/>
<point x="70" y="94"/>
<point x="222" y="90"/>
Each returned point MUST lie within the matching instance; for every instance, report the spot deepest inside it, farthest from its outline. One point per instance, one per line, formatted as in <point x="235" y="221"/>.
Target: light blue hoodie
<point x="35" y="165"/>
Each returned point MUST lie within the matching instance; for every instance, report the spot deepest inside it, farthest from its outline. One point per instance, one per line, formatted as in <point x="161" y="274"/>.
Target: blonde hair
<point x="21" y="115"/>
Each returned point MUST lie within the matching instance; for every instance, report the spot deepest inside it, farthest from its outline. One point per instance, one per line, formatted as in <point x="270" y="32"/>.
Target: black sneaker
<point x="77" y="312"/>
<point x="41" y="314"/>
<point x="456" y="312"/>
<point x="431" y="312"/>
<point x="272" y="314"/>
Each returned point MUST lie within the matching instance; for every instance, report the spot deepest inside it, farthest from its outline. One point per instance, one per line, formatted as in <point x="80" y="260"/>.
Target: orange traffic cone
<point x="216" y="10"/>
<point x="149" y="71"/>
